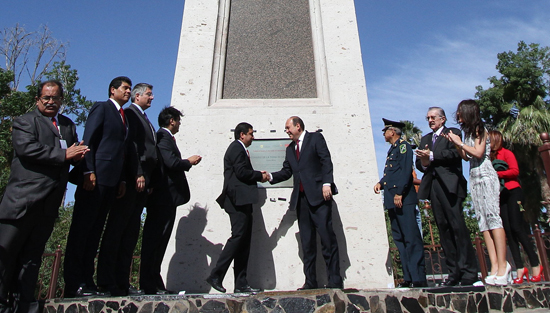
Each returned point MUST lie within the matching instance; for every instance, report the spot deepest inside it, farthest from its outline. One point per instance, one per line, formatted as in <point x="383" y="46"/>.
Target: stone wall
<point x="459" y="299"/>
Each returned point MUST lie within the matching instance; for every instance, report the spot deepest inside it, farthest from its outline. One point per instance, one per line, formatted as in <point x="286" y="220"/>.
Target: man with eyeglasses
<point x="99" y="180"/>
<point x="45" y="144"/>
<point x="445" y="186"/>
<point x="122" y="230"/>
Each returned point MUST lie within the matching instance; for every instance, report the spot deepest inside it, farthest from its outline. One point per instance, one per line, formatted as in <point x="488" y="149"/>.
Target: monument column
<point x="261" y="61"/>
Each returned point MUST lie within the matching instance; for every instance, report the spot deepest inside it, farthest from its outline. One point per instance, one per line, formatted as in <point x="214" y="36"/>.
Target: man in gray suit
<point x="45" y="143"/>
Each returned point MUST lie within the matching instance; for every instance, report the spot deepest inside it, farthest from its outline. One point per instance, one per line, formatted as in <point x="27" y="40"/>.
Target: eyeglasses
<point x="48" y="98"/>
<point x="149" y="94"/>
<point x="432" y="118"/>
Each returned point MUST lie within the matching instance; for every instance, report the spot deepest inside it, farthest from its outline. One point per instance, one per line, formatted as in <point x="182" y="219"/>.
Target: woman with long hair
<point x="484" y="187"/>
<point x="511" y="197"/>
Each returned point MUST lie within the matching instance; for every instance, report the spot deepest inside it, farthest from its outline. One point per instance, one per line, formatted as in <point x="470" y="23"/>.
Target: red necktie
<point x="298" y="158"/>
<point x="123" y="117"/>
<point x="54" y="122"/>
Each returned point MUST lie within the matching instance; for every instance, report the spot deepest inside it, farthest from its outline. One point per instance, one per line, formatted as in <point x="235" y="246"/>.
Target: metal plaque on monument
<point x="262" y="61"/>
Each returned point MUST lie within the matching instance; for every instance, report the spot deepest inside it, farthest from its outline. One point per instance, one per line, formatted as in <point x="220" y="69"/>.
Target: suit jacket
<point x="173" y="188"/>
<point x="240" y="179"/>
<point x="398" y="179"/>
<point x="446" y="166"/>
<point x="39" y="167"/>
<point x="105" y="135"/>
<point x="143" y="139"/>
<point x="313" y="169"/>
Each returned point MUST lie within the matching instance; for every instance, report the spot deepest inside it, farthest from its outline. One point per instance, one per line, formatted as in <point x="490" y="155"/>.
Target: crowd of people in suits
<point x="123" y="165"/>
<point x="495" y="192"/>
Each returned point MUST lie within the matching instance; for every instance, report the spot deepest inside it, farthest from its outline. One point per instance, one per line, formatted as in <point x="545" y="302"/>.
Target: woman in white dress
<point x="484" y="187"/>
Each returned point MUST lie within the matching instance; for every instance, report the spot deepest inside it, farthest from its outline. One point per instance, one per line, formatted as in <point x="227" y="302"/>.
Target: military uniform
<point x="398" y="180"/>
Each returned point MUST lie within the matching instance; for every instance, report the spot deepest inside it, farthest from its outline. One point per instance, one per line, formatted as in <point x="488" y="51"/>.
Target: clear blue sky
<point x="416" y="54"/>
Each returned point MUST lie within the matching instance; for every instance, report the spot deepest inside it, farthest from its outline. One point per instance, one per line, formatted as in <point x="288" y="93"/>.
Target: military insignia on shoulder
<point x="403" y="148"/>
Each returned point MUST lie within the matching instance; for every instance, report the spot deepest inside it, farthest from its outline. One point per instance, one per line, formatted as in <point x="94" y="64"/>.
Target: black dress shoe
<point x="247" y="289"/>
<point x="215" y="283"/>
<point x="449" y="283"/>
<point x="404" y="284"/>
<point x="82" y="291"/>
<point x="133" y="291"/>
<point x="307" y="287"/>
<point x="335" y="286"/>
<point x="419" y="284"/>
<point x="467" y="282"/>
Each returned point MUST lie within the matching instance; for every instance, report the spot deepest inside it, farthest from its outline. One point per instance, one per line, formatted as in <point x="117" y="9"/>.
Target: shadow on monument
<point x="261" y="268"/>
<point x="189" y="265"/>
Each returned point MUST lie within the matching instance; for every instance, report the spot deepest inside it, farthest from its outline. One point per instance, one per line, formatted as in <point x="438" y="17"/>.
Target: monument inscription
<point x="269" y="51"/>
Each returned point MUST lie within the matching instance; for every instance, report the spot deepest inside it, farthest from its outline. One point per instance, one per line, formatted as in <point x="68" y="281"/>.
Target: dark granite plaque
<point x="269" y="51"/>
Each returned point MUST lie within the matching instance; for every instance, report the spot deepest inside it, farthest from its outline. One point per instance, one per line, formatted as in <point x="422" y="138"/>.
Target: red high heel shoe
<point x="539" y="277"/>
<point x="519" y="280"/>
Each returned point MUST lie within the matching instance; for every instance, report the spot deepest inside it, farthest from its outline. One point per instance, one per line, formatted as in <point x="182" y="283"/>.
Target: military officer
<point x="400" y="201"/>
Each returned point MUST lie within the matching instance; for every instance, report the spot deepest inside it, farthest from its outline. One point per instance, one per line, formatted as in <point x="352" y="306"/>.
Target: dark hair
<point x="472" y="125"/>
<point x="297" y="120"/>
<point x="140" y="88"/>
<point x="117" y="81"/>
<point x="50" y="82"/>
<point x="242" y="128"/>
<point x="168" y="113"/>
<point x="496" y="142"/>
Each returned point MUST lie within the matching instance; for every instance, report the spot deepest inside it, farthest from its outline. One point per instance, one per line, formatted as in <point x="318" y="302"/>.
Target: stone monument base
<point x="454" y="299"/>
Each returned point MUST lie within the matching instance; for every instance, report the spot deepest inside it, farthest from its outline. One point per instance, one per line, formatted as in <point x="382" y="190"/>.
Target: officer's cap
<point x="388" y="124"/>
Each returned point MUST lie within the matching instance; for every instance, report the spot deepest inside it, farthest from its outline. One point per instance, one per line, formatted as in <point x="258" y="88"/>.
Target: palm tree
<point x="411" y="133"/>
<point x="521" y="132"/>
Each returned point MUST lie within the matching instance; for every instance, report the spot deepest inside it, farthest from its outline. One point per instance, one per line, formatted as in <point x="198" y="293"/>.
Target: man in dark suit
<point x="444" y="184"/>
<point x="123" y="224"/>
<point x="239" y="193"/>
<point x="171" y="191"/>
<point x="45" y="143"/>
<point x="400" y="201"/>
<point x="99" y="182"/>
<point x="308" y="161"/>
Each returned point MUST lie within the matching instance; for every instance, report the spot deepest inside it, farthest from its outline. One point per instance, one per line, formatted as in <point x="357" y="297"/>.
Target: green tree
<point x="411" y="133"/>
<point x="19" y="48"/>
<point x="517" y="104"/>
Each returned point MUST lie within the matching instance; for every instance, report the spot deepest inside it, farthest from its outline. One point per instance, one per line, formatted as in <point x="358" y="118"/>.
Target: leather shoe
<point x="82" y="291"/>
<point x="419" y="284"/>
<point x="215" y="283"/>
<point x="247" y="289"/>
<point x="133" y="291"/>
<point x="307" y="286"/>
<point x="404" y="284"/>
<point x="466" y="282"/>
<point x="449" y="283"/>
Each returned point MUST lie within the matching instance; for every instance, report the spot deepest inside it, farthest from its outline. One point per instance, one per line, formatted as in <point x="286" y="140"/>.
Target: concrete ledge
<point x="456" y="299"/>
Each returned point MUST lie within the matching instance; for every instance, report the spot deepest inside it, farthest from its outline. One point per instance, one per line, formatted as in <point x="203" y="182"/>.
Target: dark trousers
<point x="119" y="240"/>
<point x="408" y="240"/>
<point x="460" y="256"/>
<point x="514" y="226"/>
<point x="90" y="212"/>
<point x="156" y="234"/>
<point x="22" y="244"/>
<point x="318" y="219"/>
<point x="237" y="248"/>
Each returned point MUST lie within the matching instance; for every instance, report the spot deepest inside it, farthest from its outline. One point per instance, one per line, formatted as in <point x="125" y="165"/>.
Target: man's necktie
<point x="298" y="158"/>
<point x="434" y="138"/>
<point x="123" y="117"/>
<point x="54" y="121"/>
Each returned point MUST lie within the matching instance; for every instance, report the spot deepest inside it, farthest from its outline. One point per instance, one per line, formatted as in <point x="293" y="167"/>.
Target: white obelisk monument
<point x="262" y="61"/>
